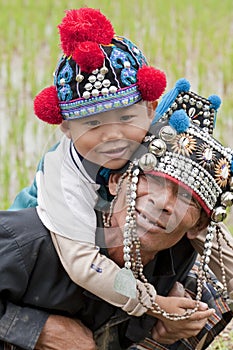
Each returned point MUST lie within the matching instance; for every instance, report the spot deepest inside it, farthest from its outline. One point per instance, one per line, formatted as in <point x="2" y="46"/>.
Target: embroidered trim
<point x="82" y="108"/>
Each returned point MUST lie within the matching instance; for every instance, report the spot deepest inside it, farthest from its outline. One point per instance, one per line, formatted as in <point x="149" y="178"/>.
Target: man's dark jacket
<point x="33" y="283"/>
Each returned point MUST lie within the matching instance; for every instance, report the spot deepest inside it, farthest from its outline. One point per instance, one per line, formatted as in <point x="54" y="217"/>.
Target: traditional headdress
<point x="180" y="146"/>
<point x="98" y="71"/>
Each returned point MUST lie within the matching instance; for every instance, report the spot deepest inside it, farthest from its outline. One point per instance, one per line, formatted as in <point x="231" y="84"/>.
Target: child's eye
<point x="125" y="118"/>
<point x="93" y="123"/>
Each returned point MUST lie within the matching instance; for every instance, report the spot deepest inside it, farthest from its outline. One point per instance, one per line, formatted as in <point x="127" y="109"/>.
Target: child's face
<point x="110" y="138"/>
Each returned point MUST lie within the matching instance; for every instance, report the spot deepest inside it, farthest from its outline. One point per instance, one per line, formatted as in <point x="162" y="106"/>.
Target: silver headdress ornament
<point x="180" y="146"/>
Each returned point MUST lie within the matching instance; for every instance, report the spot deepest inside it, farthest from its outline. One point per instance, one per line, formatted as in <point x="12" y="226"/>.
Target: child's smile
<point x="110" y="138"/>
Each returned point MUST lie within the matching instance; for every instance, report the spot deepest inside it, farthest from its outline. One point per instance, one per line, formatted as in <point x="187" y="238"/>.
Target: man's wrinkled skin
<point x="65" y="333"/>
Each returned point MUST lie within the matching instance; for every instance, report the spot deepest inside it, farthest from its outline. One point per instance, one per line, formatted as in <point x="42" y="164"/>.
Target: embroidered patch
<point x="206" y="156"/>
<point x="184" y="144"/>
<point x="222" y="172"/>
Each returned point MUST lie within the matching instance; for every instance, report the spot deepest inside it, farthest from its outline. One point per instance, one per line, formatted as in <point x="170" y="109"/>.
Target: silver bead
<point x="192" y="101"/>
<point x="86" y="94"/>
<point x="157" y="147"/>
<point x="126" y="257"/>
<point x="104" y="70"/>
<point x="135" y="179"/>
<point x="167" y="133"/>
<point x="219" y="214"/>
<point x="95" y="92"/>
<point x="206" y="107"/>
<point x="133" y="187"/>
<point x="206" y="122"/>
<point x="136" y="172"/>
<point x="88" y="86"/>
<point x="105" y="91"/>
<point x="186" y="98"/>
<point x="106" y="82"/>
<point x="113" y="89"/>
<point x="92" y="78"/>
<point x="174" y="105"/>
<point x="127" y="264"/>
<point x="206" y="114"/>
<point x="98" y="85"/>
<point x="227" y="199"/>
<point x="126" y="250"/>
<point x="199" y="104"/>
<point x="100" y="77"/>
<point x="95" y="71"/>
<point x="147" y="162"/>
<point x="79" y="78"/>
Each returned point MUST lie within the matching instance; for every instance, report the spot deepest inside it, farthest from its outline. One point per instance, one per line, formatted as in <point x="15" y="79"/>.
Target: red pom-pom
<point x="151" y="83"/>
<point x="84" y="24"/>
<point x="88" y="56"/>
<point x="46" y="106"/>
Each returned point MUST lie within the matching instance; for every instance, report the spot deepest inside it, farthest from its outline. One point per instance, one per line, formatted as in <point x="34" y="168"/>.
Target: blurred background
<point x="183" y="38"/>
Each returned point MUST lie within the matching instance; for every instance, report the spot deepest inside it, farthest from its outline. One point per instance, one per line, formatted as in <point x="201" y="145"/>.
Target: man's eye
<point x="185" y="195"/>
<point x="188" y="198"/>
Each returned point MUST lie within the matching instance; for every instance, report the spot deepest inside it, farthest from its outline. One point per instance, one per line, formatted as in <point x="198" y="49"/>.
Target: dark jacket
<point x="34" y="283"/>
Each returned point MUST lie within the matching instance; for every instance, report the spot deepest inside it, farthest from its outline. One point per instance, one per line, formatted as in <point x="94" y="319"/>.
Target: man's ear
<point x="151" y="107"/>
<point x="65" y="128"/>
<point x="201" y="225"/>
<point x="113" y="182"/>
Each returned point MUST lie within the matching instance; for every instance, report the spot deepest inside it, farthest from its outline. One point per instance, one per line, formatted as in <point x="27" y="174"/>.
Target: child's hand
<point x="167" y="332"/>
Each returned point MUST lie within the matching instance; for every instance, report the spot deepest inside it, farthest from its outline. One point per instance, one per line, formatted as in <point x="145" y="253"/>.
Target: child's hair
<point x="97" y="72"/>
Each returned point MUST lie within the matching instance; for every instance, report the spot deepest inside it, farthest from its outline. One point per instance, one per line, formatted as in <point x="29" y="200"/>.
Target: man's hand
<point x="61" y="333"/>
<point x="168" y="332"/>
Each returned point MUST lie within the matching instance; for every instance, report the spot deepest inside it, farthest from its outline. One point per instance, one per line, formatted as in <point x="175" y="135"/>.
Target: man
<point x="180" y="215"/>
<point x="39" y="280"/>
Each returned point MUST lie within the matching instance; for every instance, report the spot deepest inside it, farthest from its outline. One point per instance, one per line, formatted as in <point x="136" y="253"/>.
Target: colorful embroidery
<point x="222" y="172"/>
<point x="206" y="155"/>
<point x="184" y="144"/>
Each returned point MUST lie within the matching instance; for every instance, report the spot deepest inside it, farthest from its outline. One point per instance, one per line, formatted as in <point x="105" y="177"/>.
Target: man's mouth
<point x="147" y="222"/>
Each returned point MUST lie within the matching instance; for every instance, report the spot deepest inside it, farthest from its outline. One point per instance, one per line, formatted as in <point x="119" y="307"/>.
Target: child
<point x="104" y="98"/>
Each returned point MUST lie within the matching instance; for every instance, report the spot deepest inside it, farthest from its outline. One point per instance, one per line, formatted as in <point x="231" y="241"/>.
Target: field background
<point x="183" y="38"/>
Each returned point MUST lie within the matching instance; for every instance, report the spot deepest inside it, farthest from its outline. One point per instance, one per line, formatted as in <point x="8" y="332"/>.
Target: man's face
<point x="165" y="212"/>
<point x="110" y="138"/>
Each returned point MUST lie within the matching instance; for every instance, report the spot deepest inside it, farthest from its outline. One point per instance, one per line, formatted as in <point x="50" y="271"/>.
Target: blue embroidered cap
<point x="98" y="71"/>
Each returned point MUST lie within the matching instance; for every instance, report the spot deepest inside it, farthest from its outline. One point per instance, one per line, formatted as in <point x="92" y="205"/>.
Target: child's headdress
<point x="180" y="147"/>
<point x="98" y="71"/>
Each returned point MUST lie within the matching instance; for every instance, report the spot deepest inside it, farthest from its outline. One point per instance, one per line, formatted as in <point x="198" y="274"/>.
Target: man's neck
<point x="114" y="244"/>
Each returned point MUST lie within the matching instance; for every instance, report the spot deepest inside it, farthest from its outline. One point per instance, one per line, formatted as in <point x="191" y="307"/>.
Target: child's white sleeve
<point x="198" y="244"/>
<point x="96" y="273"/>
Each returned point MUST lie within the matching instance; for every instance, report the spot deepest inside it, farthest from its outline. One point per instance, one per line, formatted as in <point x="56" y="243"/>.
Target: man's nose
<point x="164" y="199"/>
<point x="112" y="132"/>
